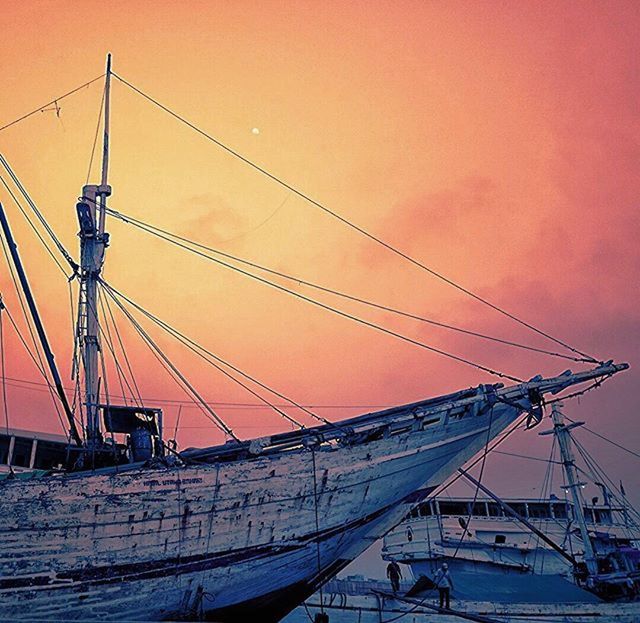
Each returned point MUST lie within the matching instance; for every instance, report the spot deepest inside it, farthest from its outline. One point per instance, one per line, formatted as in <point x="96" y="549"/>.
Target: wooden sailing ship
<point x="131" y="529"/>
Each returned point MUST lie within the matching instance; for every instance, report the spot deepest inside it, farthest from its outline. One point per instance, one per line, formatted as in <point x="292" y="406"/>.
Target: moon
<point x="255" y="131"/>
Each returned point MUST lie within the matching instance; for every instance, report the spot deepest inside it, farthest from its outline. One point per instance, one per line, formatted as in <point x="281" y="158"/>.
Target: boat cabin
<point x="530" y="509"/>
<point x="23" y="450"/>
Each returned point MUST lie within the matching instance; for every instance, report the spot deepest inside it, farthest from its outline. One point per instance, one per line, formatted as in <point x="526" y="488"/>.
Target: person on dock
<point x="395" y="575"/>
<point x="444" y="583"/>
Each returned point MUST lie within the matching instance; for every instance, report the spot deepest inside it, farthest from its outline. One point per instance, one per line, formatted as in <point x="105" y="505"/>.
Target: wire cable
<point x="154" y="230"/>
<point x="145" y="336"/>
<point x="32" y="225"/>
<point x="199" y="350"/>
<point x="613" y="443"/>
<point x="5" y="408"/>
<point x="52" y="102"/>
<point x="67" y="256"/>
<point x="350" y="316"/>
<point x="40" y="366"/>
<point x="349" y="223"/>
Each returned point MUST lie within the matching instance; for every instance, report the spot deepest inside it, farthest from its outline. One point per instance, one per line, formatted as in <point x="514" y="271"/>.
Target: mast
<point x="563" y="433"/>
<point x="525" y="522"/>
<point x="93" y="242"/>
<point x="33" y="309"/>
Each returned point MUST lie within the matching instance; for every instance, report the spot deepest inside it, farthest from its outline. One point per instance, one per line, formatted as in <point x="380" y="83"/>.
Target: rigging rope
<point x="614" y="443"/>
<point x="317" y="520"/>
<point x="524" y="456"/>
<point x="109" y="342"/>
<point x="598" y="472"/>
<point x="348" y="315"/>
<point x="350" y="224"/>
<point x="137" y="397"/>
<point x="4" y="380"/>
<point x="37" y="233"/>
<point x="18" y="381"/>
<point x="219" y="422"/>
<point x="465" y="528"/>
<point x="442" y="488"/>
<point x="53" y="101"/>
<point x="39" y="363"/>
<point x="199" y="350"/>
<point x="154" y="230"/>
<point x="95" y="138"/>
<point x="67" y="256"/>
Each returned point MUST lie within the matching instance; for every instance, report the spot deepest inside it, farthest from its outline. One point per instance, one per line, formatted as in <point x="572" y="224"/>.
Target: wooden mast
<point x="93" y="242"/>
<point x="563" y="434"/>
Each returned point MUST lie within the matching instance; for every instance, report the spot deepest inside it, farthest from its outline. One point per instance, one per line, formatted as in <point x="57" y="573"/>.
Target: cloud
<point x="210" y="218"/>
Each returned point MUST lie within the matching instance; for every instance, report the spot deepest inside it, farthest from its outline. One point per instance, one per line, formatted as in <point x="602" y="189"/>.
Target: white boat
<point x="526" y="550"/>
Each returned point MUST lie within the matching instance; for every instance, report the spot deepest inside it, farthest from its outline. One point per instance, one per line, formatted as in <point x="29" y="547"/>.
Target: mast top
<point x="105" y="139"/>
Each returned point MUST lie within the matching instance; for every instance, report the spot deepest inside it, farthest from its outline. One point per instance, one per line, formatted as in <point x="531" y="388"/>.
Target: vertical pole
<point x="104" y="189"/>
<point x="568" y="461"/>
<point x="94" y="241"/>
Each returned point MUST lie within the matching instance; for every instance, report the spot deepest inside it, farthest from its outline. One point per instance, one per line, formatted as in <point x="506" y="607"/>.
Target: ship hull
<point x="220" y="540"/>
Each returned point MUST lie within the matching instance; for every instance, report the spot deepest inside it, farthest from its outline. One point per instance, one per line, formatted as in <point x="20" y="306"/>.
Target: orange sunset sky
<point x="496" y="142"/>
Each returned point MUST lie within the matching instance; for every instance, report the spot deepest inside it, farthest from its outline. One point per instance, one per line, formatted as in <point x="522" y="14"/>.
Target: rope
<point x="4" y="384"/>
<point x="17" y="382"/>
<point x="350" y="224"/>
<point x="137" y="397"/>
<point x="199" y="350"/>
<point x="74" y="266"/>
<point x="52" y="102"/>
<point x="219" y="422"/>
<point x="194" y="347"/>
<point x="465" y="528"/>
<point x="597" y="472"/>
<point x="95" y="138"/>
<point x="349" y="316"/>
<point x="154" y="230"/>
<point x="39" y="363"/>
<point x="530" y="458"/>
<point x="317" y="520"/>
<point x="613" y="443"/>
<point x="109" y="341"/>
<point x="37" y="233"/>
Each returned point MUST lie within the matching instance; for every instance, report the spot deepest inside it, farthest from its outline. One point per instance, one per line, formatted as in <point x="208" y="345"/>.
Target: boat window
<point x="495" y="510"/>
<point x="5" y="440"/>
<point x="22" y="452"/>
<point x="414" y="513"/>
<point x="479" y="509"/>
<point x="500" y="539"/>
<point x="603" y="516"/>
<point x="425" y="509"/>
<point x="539" y="510"/>
<point x="454" y="508"/>
<point x="50" y="454"/>
<point x="560" y="511"/>
<point x="520" y="508"/>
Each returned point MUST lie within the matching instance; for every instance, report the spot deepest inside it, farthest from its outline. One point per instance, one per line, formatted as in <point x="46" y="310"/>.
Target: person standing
<point x="444" y="583"/>
<point x="394" y="574"/>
